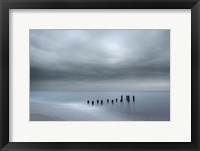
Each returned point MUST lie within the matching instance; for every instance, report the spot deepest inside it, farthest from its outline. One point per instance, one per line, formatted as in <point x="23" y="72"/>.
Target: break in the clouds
<point x="100" y="60"/>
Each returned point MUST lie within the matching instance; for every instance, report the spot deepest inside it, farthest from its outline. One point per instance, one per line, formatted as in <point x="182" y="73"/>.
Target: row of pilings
<point x="127" y="98"/>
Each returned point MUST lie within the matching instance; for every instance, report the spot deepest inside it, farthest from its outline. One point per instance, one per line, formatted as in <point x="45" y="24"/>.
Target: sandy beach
<point x="40" y="117"/>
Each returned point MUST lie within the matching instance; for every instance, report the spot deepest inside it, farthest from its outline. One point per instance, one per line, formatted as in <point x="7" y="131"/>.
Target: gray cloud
<point x="86" y="60"/>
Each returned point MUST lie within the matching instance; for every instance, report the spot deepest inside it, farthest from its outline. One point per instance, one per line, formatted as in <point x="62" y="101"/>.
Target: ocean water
<point x="73" y="106"/>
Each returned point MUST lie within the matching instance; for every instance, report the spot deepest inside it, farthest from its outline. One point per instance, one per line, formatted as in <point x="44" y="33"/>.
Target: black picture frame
<point x="5" y="5"/>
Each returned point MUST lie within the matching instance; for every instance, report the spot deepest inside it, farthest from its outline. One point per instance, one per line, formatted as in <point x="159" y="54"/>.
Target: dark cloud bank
<point x="100" y="60"/>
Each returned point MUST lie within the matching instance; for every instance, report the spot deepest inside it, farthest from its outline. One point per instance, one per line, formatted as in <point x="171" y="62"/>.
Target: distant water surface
<point x="72" y="106"/>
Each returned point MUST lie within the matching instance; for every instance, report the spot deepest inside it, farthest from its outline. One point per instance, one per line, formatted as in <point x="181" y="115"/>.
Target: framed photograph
<point x="91" y="75"/>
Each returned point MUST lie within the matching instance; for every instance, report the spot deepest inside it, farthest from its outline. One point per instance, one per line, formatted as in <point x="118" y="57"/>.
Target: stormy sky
<point x="99" y="60"/>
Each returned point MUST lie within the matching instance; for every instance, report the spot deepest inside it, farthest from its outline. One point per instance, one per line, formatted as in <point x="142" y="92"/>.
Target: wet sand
<point x="40" y="117"/>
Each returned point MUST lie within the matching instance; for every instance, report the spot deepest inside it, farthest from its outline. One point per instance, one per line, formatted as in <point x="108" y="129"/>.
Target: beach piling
<point x="133" y="98"/>
<point x="128" y="98"/>
<point x="92" y="102"/>
<point x="101" y="101"/>
<point x="97" y="101"/>
<point x="88" y="102"/>
<point x="112" y="101"/>
<point x="121" y="98"/>
<point x="116" y="100"/>
<point x="107" y="100"/>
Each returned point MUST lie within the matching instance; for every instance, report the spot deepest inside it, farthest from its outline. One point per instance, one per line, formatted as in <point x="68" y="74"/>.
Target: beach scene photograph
<point x="99" y="74"/>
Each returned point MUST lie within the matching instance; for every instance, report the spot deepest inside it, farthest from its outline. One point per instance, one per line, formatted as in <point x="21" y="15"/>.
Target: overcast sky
<point x="100" y="60"/>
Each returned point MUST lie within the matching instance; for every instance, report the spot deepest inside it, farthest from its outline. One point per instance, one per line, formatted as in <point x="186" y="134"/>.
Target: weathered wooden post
<point x="133" y="98"/>
<point x="112" y="101"/>
<point x="97" y="101"/>
<point x="128" y="98"/>
<point x="121" y="100"/>
<point x="88" y="102"/>
<point x="107" y="100"/>
<point x="92" y="102"/>
<point x="101" y="101"/>
<point x="116" y="100"/>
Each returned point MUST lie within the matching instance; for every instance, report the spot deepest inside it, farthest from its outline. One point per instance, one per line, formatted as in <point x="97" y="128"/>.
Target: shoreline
<point x="40" y="117"/>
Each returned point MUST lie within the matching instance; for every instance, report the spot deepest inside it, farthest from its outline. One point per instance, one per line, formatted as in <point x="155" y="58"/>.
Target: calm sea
<point x="73" y="106"/>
